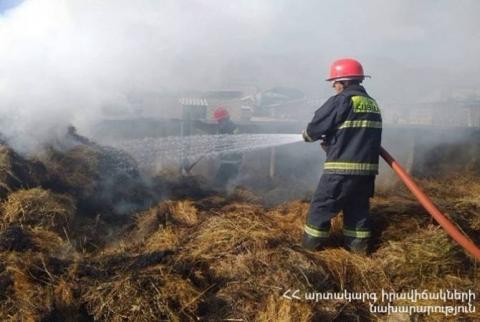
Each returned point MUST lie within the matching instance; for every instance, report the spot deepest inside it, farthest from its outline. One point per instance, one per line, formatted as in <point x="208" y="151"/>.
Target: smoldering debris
<point x="16" y="172"/>
<point x="189" y="252"/>
<point x="103" y="179"/>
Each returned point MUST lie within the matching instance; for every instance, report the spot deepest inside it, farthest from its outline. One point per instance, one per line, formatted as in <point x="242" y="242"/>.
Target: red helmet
<point x="220" y="113"/>
<point x="345" y="69"/>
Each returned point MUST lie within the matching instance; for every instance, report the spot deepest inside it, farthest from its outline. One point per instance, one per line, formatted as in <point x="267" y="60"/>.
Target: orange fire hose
<point x="446" y="224"/>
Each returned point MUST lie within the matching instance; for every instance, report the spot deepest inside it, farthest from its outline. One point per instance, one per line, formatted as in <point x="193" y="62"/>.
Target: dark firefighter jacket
<point x="228" y="127"/>
<point x="350" y="124"/>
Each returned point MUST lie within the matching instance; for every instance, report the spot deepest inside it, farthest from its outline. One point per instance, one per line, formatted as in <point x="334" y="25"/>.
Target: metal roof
<point x="192" y="101"/>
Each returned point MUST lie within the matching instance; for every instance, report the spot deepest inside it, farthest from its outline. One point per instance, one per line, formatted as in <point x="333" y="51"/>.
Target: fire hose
<point x="425" y="201"/>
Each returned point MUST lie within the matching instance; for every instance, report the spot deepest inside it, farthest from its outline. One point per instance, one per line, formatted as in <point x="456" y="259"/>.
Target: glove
<point x="305" y="136"/>
<point x="324" y="143"/>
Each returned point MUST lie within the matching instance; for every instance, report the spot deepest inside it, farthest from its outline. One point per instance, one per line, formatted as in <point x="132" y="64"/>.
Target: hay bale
<point x="17" y="172"/>
<point x="424" y="258"/>
<point x="151" y="295"/>
<point x="101" y="178"/>
<point x="38" y="208"/>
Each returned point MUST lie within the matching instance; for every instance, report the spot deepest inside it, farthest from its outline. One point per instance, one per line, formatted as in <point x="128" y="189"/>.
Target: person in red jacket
<point x="349" y="127"/>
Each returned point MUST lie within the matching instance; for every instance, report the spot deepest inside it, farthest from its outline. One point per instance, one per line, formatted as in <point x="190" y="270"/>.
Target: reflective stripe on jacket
<point x="350" y="123"/>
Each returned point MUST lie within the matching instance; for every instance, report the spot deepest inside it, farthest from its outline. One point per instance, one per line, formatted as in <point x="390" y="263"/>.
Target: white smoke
<point x="61" y="61"/>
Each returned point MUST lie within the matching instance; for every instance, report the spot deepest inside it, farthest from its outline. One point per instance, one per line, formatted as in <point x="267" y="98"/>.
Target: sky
<point x="62" y="60"/>
<point x="6" y="5"/>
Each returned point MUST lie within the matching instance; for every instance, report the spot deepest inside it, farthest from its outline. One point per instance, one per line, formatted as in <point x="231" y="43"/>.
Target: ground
<point x="178" y="250"/>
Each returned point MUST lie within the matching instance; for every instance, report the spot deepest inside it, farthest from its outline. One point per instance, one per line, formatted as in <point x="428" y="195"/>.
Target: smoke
<point x="62" y="61"/>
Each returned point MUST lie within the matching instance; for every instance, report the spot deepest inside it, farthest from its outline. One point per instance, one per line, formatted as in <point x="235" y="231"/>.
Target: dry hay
<point x="17" y="172"/>
<point x="394" y="218"/>
<point x="237" y="243"/>
<point x="459" y="186"/>
<point x="38" y="208"/>
<point x="290" y="217"/>
<point x="241" y="227"/>
<point x="215" y="257"/>
<point x="281" y="309"/>
<point x="353" y="272"/>
<point x="32" y="283"/>
<point x="422" y="259"/>
<point x="6" y="281"/>
<point x="163" y="226"/>
<point x="460" y="199"/>
<point x="150" y="295"/>
<point x="258" y="295"/>
<point x="167" y="238"/>
<point x="250" y="257"/>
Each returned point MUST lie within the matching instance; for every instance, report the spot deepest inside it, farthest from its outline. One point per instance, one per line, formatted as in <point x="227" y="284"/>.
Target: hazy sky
<point x="61" y="60"/>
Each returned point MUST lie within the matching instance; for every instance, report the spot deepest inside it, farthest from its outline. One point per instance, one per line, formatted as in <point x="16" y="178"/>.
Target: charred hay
<point x="103" y="180"/>
<point x="32" y="283"/>
<point x="17" y="172"/>
<point x="21" y="239"/>
<point x="204" y="255"/>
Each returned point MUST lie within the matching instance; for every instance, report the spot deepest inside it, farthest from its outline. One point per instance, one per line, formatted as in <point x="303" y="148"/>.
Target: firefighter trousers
<point x="348" y="193"/>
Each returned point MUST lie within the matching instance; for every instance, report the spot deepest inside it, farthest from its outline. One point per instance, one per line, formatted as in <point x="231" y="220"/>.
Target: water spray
<point x="149" y="151"/>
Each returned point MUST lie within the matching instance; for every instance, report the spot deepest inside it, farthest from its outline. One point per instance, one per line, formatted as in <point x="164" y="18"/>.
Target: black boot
<point x="313" y="243"/>
<point x="357" y="246"/>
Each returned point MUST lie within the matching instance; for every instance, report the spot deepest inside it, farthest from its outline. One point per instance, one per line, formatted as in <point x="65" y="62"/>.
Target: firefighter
<point x="229" y="162"/>
<point x="349" y="128"/>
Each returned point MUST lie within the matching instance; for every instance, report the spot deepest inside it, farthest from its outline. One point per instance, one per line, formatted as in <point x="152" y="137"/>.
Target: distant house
<point x="455" y="108"/>
<point x="194" y="108"/>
